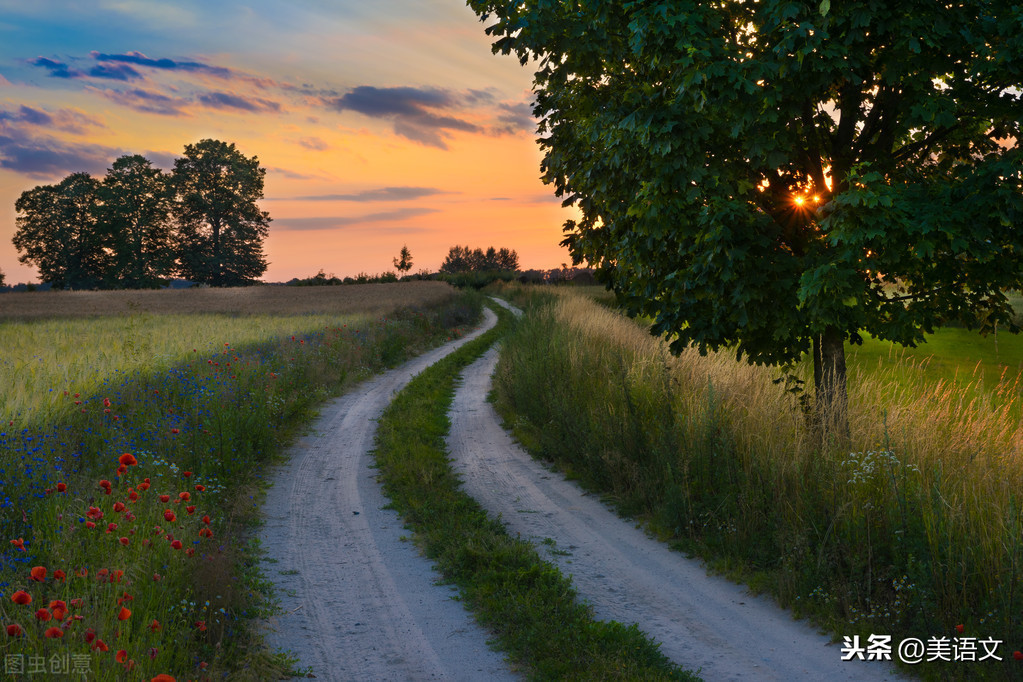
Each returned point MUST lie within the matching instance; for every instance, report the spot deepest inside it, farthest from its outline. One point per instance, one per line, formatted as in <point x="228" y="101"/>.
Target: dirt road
<point x="701" y="621"/>
<point x="361" y="603"/>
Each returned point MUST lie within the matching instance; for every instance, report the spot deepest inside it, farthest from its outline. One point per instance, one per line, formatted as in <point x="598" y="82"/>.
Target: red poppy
<point x="102" y="573"/>
<point x="106" y="402"/>
<point x="163" y="677"/>
<point x="201" y="625"/>
<point x="121" y="656"/>
<point x="205" y="533"/>
<point x="959" y="629"/>
<point x="90" y="524"/>
<point x="175" y="431"/>
<point x="19" y="543"/>
<point x="190" y="551"/>
<point x="111" y="527"/>
<point x="206" y="519"/>
<point x="43" y="615"/>
<point x="169" y="516"/>
<point x="157" y="577"/>
<point x="101" y="645"/>
<point x="144" y="485"/>
<point x="89" y="636"/>
<point x="190" y="509"/>
<point x="186" y="474"/>
<point x="176" y="544"/>
<point x="115" y="577"/>
<point x="165" y="498"/>
<point x="125" y="613"/>
<point x="61" y="487"/>
<point x="38" y="574"/>
<point x="119" y="506"/>
<point x="59" y="611"/>
<point x="105" y="484"/>
<point x="1018" y="655"/>
<point x="184" y="496"/>
<point x="94" y="513"/>
<point x="59" y="574"/>
<point x="124" y="541"/>
<point x="200" y="488"/>
<point x="133" y="496"/>
<point x="77" y="602"/>
<point x="155" y="625"/>
<point x="54" y="633"/>
<point x="14" y="630"/>
<point x="121" y="470"/>
<point x="127" y="459"/>
<point x="83" y="572"/>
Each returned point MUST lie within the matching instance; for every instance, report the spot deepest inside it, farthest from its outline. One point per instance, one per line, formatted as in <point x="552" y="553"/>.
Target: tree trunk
<point x="829" y="384"/>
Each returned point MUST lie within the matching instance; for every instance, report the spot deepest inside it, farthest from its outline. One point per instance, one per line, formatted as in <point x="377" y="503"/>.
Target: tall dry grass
<point x="911" y="527"/>
<point x="369" y="299"/>
<point x="52" y="342"/>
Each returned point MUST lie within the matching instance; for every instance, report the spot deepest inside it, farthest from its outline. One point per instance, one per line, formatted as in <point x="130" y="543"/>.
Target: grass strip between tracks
<point x="532" y="608"/>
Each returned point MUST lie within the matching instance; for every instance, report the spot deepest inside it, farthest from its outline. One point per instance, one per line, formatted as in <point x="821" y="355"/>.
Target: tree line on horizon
<point x="463" y="259"/>
<point x="140" y="226"/>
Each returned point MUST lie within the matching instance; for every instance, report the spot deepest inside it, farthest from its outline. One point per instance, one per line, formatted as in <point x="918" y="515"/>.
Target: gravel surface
<point x="361" y="603"/>
<point x="701" y="621"/>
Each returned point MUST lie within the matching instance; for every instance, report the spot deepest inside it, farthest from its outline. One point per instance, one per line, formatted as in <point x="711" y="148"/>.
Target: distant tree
<point x="464" y="259"/>
<point x="58" y="231"/>
<point x="136" y="209"/>
<point x="457" y="260"/>
<point x="507" y="260"/>
<point x="403" y="263"/>
<point x="220" y="226"/>
<point x="1" y="278"/>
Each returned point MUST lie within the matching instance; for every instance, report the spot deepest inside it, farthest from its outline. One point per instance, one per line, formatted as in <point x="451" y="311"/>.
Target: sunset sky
<point x="379" y="123"/>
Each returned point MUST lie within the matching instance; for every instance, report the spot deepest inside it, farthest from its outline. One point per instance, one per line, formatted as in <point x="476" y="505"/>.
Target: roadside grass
<point x="90" y="532"/>
<point x="912" y="529"/>
<point x="532" y="608"/>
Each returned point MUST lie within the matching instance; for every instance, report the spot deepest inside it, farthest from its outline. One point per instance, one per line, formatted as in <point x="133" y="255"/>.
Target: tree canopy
<point x="464" y="259"/>
<point x="403" y="263"/>
<point x="221" y="227"/>
<point x="59" y="232"/>
<point x="139" y="225"/>
<point x="780" y="176"/>
<point x="136" y="204"/>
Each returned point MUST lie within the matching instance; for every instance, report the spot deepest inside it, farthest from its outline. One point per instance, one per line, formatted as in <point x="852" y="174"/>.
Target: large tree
<point x="136" y="204"/>
<point x="220" y="225"/>
<point x="58" y="231"/>
<point x="778" y="177"/>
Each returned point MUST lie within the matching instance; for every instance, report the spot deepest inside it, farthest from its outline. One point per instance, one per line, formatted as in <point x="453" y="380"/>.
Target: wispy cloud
<point x="45" y="157"/>
<point x="147" y="101"/>
<point x="380" y="194"/>
<point x="229" y="101"/>
<point x="314" y="144"/>
<point x="117" y="72"/>
<point x="416" y="113"/>
<point x="65" y="120"/>
<point x="336" y="222"/>
<point x="56" y="69"/>
<point x="140" y="59"/>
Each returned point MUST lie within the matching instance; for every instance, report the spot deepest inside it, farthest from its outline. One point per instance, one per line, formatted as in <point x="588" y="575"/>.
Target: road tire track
<point x="360" y="602"/>
<point x="701" y="621"/>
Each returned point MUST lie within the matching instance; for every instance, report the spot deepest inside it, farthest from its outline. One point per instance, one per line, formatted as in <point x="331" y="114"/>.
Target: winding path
<point x="361" y="603"/>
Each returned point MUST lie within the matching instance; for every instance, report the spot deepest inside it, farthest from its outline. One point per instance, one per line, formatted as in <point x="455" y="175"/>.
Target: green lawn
<point x="950" y="354"/>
